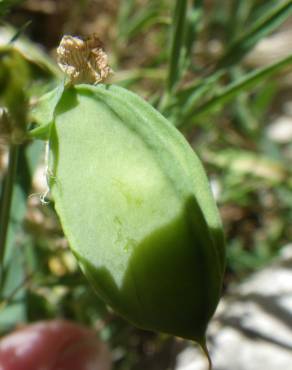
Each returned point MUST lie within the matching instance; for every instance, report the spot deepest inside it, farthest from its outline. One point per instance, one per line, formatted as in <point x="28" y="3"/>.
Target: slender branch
<point x="6" y="199"/>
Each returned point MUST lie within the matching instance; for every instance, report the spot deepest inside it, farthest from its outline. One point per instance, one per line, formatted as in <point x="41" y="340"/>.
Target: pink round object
<point x="53" y="345"/>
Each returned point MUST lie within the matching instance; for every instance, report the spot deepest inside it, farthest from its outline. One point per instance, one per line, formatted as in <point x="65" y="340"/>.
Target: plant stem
<point x="6" y="199"/>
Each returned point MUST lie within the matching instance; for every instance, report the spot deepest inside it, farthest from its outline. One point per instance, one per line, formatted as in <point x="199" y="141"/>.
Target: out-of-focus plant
<point x="5" y="6"/>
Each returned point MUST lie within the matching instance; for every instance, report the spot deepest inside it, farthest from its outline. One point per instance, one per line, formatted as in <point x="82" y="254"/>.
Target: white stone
<point x="280" y="130"/>
<point x="252" y="327"/>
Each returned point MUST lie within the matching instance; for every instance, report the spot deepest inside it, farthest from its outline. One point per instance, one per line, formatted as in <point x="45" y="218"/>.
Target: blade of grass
<point x="143" y="20"/>
<point x="125" y="10"/>
<point x="20" y="31"/>
<point x="233" y="89"/>
<point x="241" y="107"/>
<point x="240" y="11"/>
<point x="261" y="102"/>
<point x="177" y="44"/>
<point x="265" y="25"/>
<point x="15" y="263"/>
<point x="188" y="97"/>
<point x="193" y="27"/>
<point x="192" y="95"/>
<point x="6" y="199"/>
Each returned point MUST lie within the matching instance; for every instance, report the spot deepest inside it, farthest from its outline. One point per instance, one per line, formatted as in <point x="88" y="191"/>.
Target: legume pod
<point x="135" y="205"/>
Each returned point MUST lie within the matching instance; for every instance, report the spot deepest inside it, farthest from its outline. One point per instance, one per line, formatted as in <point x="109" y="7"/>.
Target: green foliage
<point x="6" y="5"/>
<point x="13" y="41"/>
<point x="268" y="22"/>
<point x="232" y="90"/>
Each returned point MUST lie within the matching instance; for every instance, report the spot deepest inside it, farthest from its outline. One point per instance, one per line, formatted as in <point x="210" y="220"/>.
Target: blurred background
<point x="221" y="71"/>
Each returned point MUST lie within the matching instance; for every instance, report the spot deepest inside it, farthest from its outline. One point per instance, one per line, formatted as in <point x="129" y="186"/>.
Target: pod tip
<point x="205" y="350"/>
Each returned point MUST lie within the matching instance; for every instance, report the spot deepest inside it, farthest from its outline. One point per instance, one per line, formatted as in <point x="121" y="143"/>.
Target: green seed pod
<point x="135" y="205"/>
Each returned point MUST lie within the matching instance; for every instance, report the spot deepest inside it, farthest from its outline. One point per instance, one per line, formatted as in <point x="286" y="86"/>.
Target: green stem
<point x="6" y="199"/>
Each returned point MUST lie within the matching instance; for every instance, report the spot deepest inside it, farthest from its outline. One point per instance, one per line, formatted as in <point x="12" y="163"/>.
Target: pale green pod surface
<point x="136" y="207"/>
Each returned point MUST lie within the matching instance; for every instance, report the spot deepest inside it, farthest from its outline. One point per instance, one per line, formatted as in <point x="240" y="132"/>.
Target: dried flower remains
<point x="83" y="60"/>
